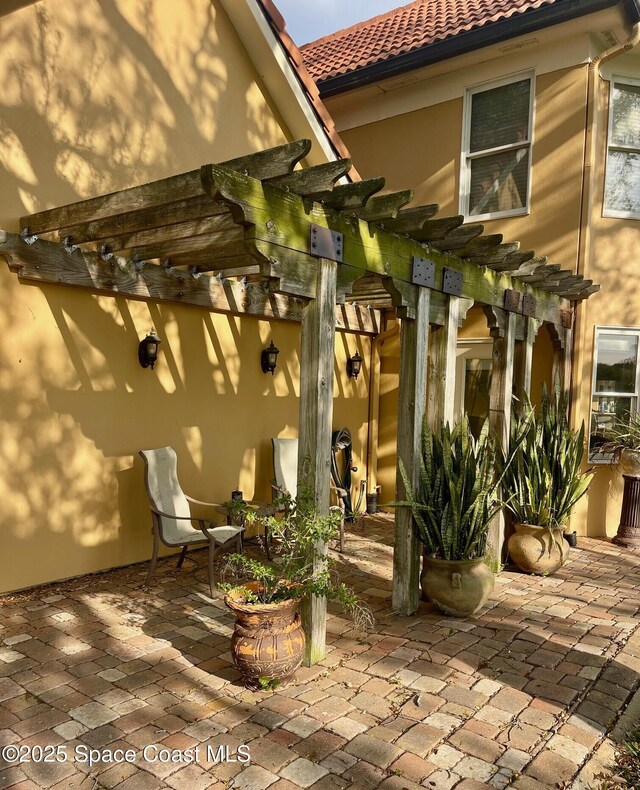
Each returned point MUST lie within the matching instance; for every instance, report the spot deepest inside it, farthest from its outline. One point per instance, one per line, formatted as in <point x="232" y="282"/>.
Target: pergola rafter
<point x="255" y="236"/>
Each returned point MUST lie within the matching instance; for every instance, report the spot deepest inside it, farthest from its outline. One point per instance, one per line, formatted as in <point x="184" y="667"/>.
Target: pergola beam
<point x="281" y="228"/>
<point x="46" y="262"/>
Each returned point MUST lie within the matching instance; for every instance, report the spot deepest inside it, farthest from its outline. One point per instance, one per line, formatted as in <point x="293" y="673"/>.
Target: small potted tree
<point x="456" y="500"/>
<point x="542" y="483"/>
<point x="268" y="642"/>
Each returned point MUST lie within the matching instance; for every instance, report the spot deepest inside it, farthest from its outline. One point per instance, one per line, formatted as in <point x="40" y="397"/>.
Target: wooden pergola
<point x="255" y="236"/>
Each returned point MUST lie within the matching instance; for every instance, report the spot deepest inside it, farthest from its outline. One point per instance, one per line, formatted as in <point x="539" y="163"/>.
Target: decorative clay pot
<point x="537" y="549"/>
<point x="457" y="587"/>
<point x="268" y="640"/>
<point x="630" y="462"/>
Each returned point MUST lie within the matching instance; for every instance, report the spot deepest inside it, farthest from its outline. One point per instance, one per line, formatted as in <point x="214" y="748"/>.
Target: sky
<point x="308" y="20"/>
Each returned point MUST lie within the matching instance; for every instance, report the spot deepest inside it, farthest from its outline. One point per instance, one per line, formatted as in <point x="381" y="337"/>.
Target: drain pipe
<point x="374" y="405"/>
<point x="579" y="340"/>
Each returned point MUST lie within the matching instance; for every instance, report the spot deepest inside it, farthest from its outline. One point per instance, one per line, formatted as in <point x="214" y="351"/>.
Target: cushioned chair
<point x="285" y="468"/>
<point x="171" y="514"/>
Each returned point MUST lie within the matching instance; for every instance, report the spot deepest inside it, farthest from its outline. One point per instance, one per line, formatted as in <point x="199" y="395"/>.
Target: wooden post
<point x="314" y="447"/>
<point x="414" y="342"/>
<point x="523" y="357"/>
<point x="503" y="329"/>
<point x="443" y="342"/>
<point x="562" y="337"/>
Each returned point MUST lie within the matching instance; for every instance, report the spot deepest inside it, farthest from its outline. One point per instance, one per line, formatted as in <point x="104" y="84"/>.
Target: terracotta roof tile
<point x="404" y="29"/>
<point x="277" y="22"/>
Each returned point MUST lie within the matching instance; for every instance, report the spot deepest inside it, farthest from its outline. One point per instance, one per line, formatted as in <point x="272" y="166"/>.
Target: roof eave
<point x="463" y="43"/>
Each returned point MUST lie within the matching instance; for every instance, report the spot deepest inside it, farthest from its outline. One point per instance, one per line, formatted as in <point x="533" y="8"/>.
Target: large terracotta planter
<point x="457" y="587"/>
<point x="268" y="640"/>
<point x="537" y="549"/>
<point x="630" y="462"/>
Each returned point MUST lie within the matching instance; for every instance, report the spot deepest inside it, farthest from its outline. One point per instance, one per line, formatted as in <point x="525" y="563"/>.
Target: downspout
<point x="586" y="204"/>
<point x="579" y="341"/>
<point x="374" y="405"/>
<point x="584" y="241"/>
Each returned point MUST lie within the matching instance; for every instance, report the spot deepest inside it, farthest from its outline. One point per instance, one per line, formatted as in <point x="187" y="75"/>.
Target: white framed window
<point x="495" y="177"/>
<point x="622" y="180"/>
<point x="615" y="386"/>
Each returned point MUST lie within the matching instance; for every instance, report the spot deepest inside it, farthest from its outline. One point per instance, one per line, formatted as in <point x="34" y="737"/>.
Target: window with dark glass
<point x="497" y="149"/>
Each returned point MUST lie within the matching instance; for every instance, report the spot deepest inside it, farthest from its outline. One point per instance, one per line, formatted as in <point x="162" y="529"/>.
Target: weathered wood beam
<point x="541" y="273"/>
<point x="314" y="448"/>
<point x="411" y="220"/>
<point x="586" y="293"/>
<point x="145" y="219"/>
<point x="169" y="233"/>
<point x="414" y="341"/>
<point x="437" y="229"/>
<point x="263" y="164"/>
<point x="513" y="262"/>
<point x="492" y="256"/>
<point x="222" y="243"/>
<point x="313" y="180"/>
<point x="458" y="238"/>
<point x="275" y="219"/>
<point x="382" y="207"/>
<point x="349" y="196"/>
<point x="47" y="263"/>
<point x="564" y="284"/>
<point x="572" y="291"/>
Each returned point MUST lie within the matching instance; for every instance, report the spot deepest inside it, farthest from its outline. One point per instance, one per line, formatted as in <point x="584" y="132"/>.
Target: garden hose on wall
<point x="341" y="442"/>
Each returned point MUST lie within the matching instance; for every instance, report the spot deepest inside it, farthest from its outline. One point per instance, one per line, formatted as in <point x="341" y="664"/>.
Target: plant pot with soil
<point x="268" y="643"/>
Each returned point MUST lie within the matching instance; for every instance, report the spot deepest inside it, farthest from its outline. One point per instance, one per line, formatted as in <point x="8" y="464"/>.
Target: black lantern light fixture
<point x="269" y="358"/>
<point x="354" y="365"/>
<point x="148" y="350"/>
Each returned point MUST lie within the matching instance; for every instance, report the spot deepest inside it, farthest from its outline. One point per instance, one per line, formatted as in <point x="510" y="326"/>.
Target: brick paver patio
<point x="522" y="696"/>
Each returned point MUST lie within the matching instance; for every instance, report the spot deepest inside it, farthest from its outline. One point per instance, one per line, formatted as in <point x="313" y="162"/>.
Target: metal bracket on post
<point x="512" y="301"/>
<point x="452" y="282"/>
<point x="326" y="243"/>
<point x="567" y="318"/>
<point x="529" y="305"/>
<point x="423" y="272"/>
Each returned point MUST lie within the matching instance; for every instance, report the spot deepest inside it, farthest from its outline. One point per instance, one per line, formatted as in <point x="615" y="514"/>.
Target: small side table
<point x="629" y="529"/>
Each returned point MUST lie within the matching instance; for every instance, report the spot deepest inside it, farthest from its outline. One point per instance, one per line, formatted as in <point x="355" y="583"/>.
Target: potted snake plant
<point x="542" y="482"/>
<point x="455" y="502"/>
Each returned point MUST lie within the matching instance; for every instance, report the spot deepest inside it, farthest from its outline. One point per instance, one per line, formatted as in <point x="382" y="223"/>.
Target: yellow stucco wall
<point x="98" y="96"/>
<point x="421" y="150"/>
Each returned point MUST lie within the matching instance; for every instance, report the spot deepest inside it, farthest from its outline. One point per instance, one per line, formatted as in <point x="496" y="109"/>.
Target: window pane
<point x="476" y="393"/>
<point x="499" y="182"/>
<point x="616" y="364"/>
<point x="622" y="191"/>
<point x="605" y="414"/>
<point x="625" y="127"/>
<point x="500" y="116"/>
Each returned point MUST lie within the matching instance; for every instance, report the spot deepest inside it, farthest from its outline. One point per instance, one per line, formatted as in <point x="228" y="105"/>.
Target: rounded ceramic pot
<point x="537" y="549"/>
<point x="630" y="462"/>
<point x="457" y="587"/>
<point x="268" y="640"/>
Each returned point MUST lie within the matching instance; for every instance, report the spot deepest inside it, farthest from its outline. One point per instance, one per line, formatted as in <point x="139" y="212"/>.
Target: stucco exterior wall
<point x="99" y="96"/>
<point x="421" y="150"/>
<point x="612" y="261"/>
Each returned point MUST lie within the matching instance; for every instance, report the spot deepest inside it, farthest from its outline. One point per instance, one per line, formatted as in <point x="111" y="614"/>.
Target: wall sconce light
<point x="148" y="350"/>
<point x="354" y="366"/>
<point x="269" y="359"/>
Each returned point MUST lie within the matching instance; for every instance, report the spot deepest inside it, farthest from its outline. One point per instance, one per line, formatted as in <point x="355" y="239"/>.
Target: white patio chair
<point x="172" y="522"/>
<point x="285" y="468"/>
